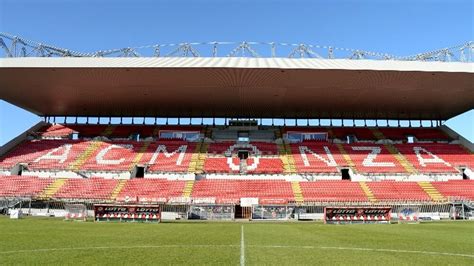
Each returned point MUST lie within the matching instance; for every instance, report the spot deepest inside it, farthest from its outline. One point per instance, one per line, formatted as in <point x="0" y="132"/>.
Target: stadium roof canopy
<point x="238" y="87"/>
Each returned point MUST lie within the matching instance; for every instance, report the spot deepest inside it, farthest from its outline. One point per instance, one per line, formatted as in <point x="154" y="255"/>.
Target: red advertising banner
<point x="357" y="214"/>
<point x="108" y="212"/>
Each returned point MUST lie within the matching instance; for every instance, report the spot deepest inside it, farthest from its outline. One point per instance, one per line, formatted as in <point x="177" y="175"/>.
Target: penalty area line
<point x="371" y="249"/>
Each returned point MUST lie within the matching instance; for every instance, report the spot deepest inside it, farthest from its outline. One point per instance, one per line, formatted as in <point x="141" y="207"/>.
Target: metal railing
<point x="15" y="46"/>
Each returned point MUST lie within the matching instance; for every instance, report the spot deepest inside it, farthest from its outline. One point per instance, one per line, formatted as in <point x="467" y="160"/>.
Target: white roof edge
<point x="235" y="62"/>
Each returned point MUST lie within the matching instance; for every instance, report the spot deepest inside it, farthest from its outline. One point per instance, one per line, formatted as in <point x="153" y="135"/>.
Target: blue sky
<point x="395" y="27"/>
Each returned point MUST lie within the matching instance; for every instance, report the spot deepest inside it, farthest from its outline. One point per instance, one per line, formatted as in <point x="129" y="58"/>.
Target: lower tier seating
<point x="22" y="186"/>
<point x="88" y="189"/>
<point x="144" y="190"/>
<point x="233" y="190"/>
<point x="391" y="190"/>
<point x="456" y="188"/>
<point x="332" y="191"/>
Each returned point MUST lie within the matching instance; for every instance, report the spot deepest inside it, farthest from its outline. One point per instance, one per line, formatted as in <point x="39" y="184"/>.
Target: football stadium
<point x="258" y="153"/>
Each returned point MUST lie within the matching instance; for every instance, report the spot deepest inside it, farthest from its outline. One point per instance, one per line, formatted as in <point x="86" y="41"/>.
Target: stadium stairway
<point x="202" y="157"/>
<point x="395" y="152"/>
<point x="188" y="189"/>
<point x="346" y="157"/>
<point x="194" y="159"/>
<point x="50" y="190"/>
<point x="286" y="156"/>
<point x="287" y="159"/>
<point x="431" y="191"/>
<point x="81" y="159"/>
<point x="344" y="153"/>
<point x="298" y="194"/>
<point x="139" y="155"/>
<point x="118" y="189"/>
<point x="367" y="192"/>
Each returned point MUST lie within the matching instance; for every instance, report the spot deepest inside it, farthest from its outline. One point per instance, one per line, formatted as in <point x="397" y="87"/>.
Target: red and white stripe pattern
<point x="345" y="217"/>
<point x="120" y="215"/>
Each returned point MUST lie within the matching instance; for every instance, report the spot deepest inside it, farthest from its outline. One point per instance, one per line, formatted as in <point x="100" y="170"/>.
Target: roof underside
<point x="237" y="87"/>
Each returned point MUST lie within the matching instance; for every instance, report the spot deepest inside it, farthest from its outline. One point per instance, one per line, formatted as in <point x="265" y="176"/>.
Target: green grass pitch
<point x="54" y="241"/>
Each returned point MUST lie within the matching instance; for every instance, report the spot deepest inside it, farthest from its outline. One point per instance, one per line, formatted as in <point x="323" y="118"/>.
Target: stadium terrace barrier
<point x="357" y="214"/>
<point x="127" y="213"/>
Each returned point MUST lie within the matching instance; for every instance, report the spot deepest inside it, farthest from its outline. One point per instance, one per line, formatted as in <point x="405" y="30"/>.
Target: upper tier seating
<point x="168" y="156"/>
<point x="392" y="190"/>
<point x="373" y="158"/>
<point x="263" y="158"/>
<point x="337" y="132"/>
<point x="44" y="154"/>
<point x="436" y="157"/>
<point x="145" y="190"/>
<point x="89" y="189"/>
<point x="456" y="188"/>
<point x="22" y="186"/>
<point x="113" y="156"/>
<point x="112" y="131"/>
<point x="172" y="156"/>
<point x="332" y="191"/>
<point x="125" y="131"/>
<point x="233" y="190"/>
<point x="58" y="130"/>
<point x="316" y="157"/>
<point x="419" y="133"/>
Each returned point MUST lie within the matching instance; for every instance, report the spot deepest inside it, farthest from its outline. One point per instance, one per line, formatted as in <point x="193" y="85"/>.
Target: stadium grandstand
<point x="292" y="128"/>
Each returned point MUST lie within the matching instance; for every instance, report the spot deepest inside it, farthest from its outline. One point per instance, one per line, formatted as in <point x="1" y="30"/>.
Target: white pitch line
<point x="242" y="249"/>
<point x="115" y="247"/>
<point x="373" y="249"/>
<point x="242" y="246"/>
